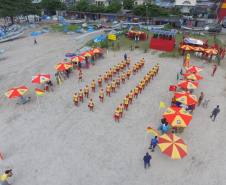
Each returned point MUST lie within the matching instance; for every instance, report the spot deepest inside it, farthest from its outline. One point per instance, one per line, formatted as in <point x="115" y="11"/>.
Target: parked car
<point x="215" y="29"/>
<point x="223" y="22"/>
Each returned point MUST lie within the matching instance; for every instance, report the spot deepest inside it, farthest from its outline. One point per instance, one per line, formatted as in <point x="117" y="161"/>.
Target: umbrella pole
<point x="38" y="101"/>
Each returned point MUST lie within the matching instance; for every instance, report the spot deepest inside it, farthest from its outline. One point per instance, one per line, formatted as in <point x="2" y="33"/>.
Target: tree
<point x="175" y="11"/>
<point x="128" y="4"/>
<point x="53" y="5"/>
<point x="114" y="7"/>
<point x="26" y="8"/>
<point x="139" y="10"/>
<point x="95" y="8"/>
<point x="81" y="6"/>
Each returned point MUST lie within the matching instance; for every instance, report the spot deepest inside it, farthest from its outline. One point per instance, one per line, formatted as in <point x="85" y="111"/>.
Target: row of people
<point x="129" y="97"/>
<point x="138" y="66"/>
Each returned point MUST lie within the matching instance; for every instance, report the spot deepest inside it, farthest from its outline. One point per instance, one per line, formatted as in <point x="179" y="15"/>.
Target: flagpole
<point x="38" y="102"/>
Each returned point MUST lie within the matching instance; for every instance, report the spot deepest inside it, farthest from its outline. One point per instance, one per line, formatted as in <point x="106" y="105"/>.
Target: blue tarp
<point x="70" y="55"/>
<point x="37" y="33"/>
<point x="3" y="34"/>
<point x="91" y="29"/>
<point x="164" y="32"/>
<point x="99" y="38"/>
<point x="65" y="30"/>
<point x="65" y="24"/>
<point x="77" y="30"/>
<point x="61" y="18"/>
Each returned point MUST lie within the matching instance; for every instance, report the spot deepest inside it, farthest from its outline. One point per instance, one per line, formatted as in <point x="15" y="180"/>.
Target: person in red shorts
<point x="152" y="74"/>
<point x="140" y="87"/>
<point x="110" y="74"/>
<point x="118" y="68"/>
<point x="80" y="76"/>
<point x="86" y="90"/>
<point x="157" y="67"/>
<point x="146" y="79"/>
<point x="100" y="81"/>
<point x="154" y="70"/>
<point x="101" y="96"/>
<point x="126" y="103"/>
<point x="131" y="97"/>
<point x="106" y="77"/>
<point x="123" y="77"/>
<point x="91" y="105"/>
<point x="122" y="66"/>
<point x="140" y="63"/>
<point x="118" y="82"/>
<point x="114" y="71"/>
<point x="149" y="77"/>
<point x="120" y="110"/>
<point x="128" y="73"/>
<point x="116" y="116"/>
<point x="108" y="90"/>
<point x="134" y="69"/>
<point x="80" y="93"/>
<point x="93" y="86"/>
<point x="138" y="66"/>
<point x="143" y="83"/>
<point x="136" y="90"/>
<point x="76" y="99"/>
<point x="113" y="85"/>
<point x="128" y="61"/>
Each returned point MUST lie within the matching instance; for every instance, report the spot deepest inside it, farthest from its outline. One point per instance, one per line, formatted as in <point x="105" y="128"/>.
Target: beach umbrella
<point x="177" y="116"/>
<point x="77" y="59"/>
<point x="194" y="69"/>
<point x="186" y="98"/>
<point x="96" y="50"/>
<point x="187" y="84"/>
<point x="62" y="66"/>
<point x="16" y="92"/>
<point x="40" y="78"/>
<point x="87" y="54"/>
<point x="140" y="32"/>
<point x="70" y="55"/>
<point x="192" y="76"/>
<point x="199" y="49"/>
<point x="173" y="146"/>
<point x="211" y="51"/>
<point x="187" y="47"/>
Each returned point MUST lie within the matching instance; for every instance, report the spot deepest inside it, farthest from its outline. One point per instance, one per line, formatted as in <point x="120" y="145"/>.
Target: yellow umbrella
<point x="187" y="47"/>
<point x="199" y="49"/>
<point x="211" y="51"/>
<point x="62" y="66"/>
<point x="16" y="92"/>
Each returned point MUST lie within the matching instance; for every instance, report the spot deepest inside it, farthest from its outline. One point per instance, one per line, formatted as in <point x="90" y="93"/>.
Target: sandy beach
<point x="63" y="144"/>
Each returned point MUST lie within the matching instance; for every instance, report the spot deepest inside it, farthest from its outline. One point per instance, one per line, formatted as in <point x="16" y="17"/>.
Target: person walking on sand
<point x="113" y="85"/>
<point x="134" y="69"/>
<point x="128" y="73"/>
<point x="203" y="63"/>
<point x="116" y="116"/>
<point x="100" y="81"/>
<point x="93" y="86"/>
<point x="128" y="61"/>
<point x="123" y="77"/>
<point x="91" y="105"/>
<point x="114" y="71"/>
<point x="80" y="94"/>
<point x="106" y="77"/>
<point x="136" y="90"/>
<point x="124" y="64"/>
<point x="35" y="41"/>
<point x="3" y="181"/>
<point x="108" y="90"/>
<point x="214" y="69"/>
<point x="125" y="57"/>
<point x="86" y="91"/>
<point x="118" y="68"/>
<point x="118" y="82"/>
<point x="120" y="109"/>
<point x="110" y="74"/>
<point x="121" y="66"/>
<point x="215" y="112"/>
<point x="153" y="144"/>
<point x="126" y="103"/>
<point x="131" y="97"/>
<point x="201" y="98"/>
<point x="140" y="87"/>
<point x="102" y="96"/>
<point x="143" y="83"/>
<point x="76" y="99"/>
<point x="147" y="158"/>
<point x="80" y="76"/>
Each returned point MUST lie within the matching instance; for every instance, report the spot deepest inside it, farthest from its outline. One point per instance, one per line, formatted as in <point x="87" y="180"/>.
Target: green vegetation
<point x="53" y="5"/>
<point x="70" y="27"/>
<point x="167" y="27"/>
<point x="128" y="4"/>
<point x="176" y="11"/>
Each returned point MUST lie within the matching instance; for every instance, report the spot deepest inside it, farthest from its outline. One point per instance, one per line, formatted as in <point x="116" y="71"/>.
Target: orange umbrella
<point x="172" y="146"/>
<point x="96" y="50"/>
<point x="87" y="54"/>
<point x="62" y="66"/>
<point x="192" y="76"/>
<point x="187" y="84"/>
<point x="77" y="59"/>
<point x="186" y="98"/>
<point x="211" y="51"/>
<point x="187" y="47"/>
<point x="16" y="92"/>
<point x="195" y="69"/>
<point x="199" y="49"/>
<point x="40" y="78"/>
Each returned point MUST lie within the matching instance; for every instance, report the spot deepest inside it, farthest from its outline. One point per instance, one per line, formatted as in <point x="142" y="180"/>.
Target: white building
<point x="185" y="5"/>
<point x="36" y="1"/>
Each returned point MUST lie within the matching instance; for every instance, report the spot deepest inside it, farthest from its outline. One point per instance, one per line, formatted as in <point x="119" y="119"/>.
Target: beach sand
<point x="63" y="144"/>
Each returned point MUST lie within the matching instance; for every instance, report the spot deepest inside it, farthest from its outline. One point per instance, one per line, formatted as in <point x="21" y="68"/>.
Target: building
<point x="203" y="9"/>
<point x="36" y="1"/>
<point x="222" y="13"/>
<point x="140" y="2"/>
<point x="185" y="5"/>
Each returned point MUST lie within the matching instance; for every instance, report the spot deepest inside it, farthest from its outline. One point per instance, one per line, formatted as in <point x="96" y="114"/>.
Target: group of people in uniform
<point x="141" y="86"/>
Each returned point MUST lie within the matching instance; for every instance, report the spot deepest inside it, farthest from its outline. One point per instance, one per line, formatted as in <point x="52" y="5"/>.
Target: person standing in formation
<point x="126" y="103"/>
<point x="91" y="105"/>
<point x="123" y="77"/>
<point x="86" y="90"/>
<point x="108" y="90"/>
<point x="118" y="82"/>
<point x="102" y="96"/>
<point x="93" y="86"/>
<point x="128" y="73"/>
<point x="80" y="76"/>
<point x="157" y="65"/>
<point x="118" y="68"/>
<point x="140" y="63"/>
<point x="136" y="90"/>
<point x="110" y="74"/>
<point x="121" y="66"/>
<point x="80" y="93"/>
<point x="113" y="85"/>
<point x="146" y="79"/>
<point x="76" y="99"/>
<point x="138" y="66"/>
<point x="120" y="109"/>
<point x="130" y="97"/>
<point x="100" y="81"/>
<point x="106" y="77"/>
<point x="134" y="69"/>
<point x="114" y="71"/>
<point x="124" y="64"/>
<point x="143" y="83"/>
<point x="149" y="77"/>
<point x="140" y="87"/>
<point x="128" y="62"/>
<point x="116" y="116"/>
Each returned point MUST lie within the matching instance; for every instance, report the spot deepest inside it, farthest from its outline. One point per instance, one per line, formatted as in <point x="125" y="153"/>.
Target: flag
<point x="39" y="92"/>
<point x="172" y="88"/>
<point x="60" y="82"/>
<point x="107" y="51"/>
<point x="162" y="105"/>
<point x="152" y="130"/>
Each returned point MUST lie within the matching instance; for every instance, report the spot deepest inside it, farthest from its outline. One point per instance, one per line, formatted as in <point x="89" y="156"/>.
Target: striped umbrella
<point x="172" y="146"/>
<point x="186" y="98"/>
<point x="96" y="50"/>
<point x="195" y="69"/>
<point x="193" y="76"/>
<point x="40" y="78"/>
<point x="187" y="48"/>
<point x="16" y="92"/>
<point x="62" y="66"/>
<point x="187" y="84"/>
<point x="77" y="59"/>
<point x="87" y="54"/>
<point x="199" y="49"/>
<point x="211" y="51"/>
